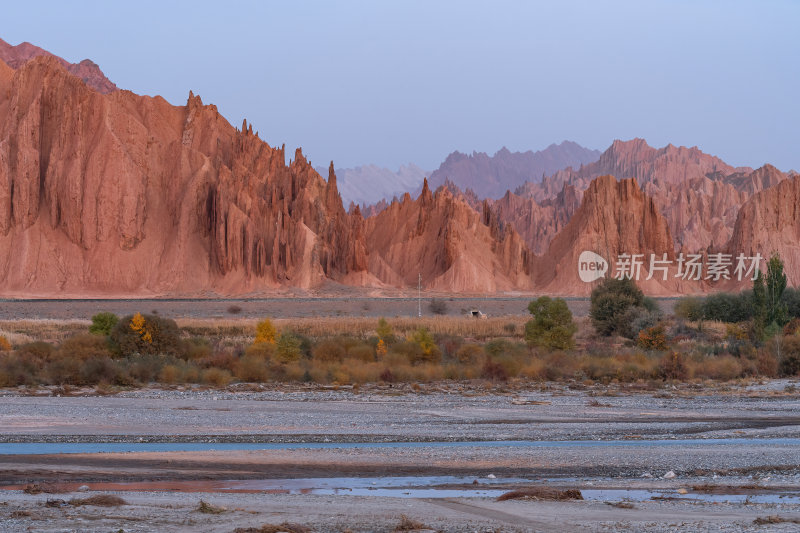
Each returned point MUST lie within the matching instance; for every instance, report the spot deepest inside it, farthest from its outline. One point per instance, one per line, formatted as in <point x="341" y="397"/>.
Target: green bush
<point x="385" y="331"/>
<point x="103" y="323"/>
<point x="497" y="347"/>
<point x="791" y="298"/>
<point x="552" y="326"/>
<point x="689" y="308"/>
<point x="429" y="352"/>
<point x="614" y="305"/>
<point x="726" y="307"/>
<point x="156" y="336"/>
<point x="288" y="349"/>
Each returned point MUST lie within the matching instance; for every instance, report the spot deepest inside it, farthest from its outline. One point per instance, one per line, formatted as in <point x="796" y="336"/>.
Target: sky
<point x="392" y="82"/>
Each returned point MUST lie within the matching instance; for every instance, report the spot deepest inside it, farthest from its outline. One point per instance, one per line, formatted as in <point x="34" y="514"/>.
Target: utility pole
<point x="419" y="296"/>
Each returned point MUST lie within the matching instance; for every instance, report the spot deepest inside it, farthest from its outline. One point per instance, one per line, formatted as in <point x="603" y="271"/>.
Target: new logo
<point x="591" y="266"/>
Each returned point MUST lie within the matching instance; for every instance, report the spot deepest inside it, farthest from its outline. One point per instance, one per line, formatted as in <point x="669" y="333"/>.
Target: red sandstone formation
<point x="615" y="217"/>
<point x="769" y="222"/>
<point x="125" y="194"/>
<point x="88" y="71"/>
<point x="453" y="247"/>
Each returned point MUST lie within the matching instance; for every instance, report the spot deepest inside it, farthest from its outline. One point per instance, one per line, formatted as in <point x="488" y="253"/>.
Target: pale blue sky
<point x="395" y="82"/>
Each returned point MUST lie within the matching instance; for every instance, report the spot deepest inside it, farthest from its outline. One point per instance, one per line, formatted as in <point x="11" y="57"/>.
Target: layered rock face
<point x="769" y="222"/>
<point x="615" y="217"/>
<point x="86" y="70"/>
<point x="124" y="194"/>
<point x="448" y="243"/>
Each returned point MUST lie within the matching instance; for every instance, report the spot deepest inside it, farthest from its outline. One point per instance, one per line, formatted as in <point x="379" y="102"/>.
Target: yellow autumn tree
<point x="139" y="325"/>
<point x="265" y="332"/>
<point x="380" y="349"/>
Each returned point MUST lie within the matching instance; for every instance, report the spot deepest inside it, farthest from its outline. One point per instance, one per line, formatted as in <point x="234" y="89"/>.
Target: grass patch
<point x="207" y="508"/>
<point x="541" y="493"/>
<point x="774" y="519"/>
<point x="407" y="524"/>
<point x="100" y="500"/>
<point x="44" y="488"/>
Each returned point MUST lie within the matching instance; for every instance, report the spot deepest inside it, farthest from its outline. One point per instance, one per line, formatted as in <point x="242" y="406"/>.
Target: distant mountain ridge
<point x="87" y="70"/>
<point x="369" y="184"/>
<point x="491" y="176"/>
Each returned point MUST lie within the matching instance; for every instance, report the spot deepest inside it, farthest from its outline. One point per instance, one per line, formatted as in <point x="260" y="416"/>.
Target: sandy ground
<point x="163" y="489"/>
<point x="287" y="307"/>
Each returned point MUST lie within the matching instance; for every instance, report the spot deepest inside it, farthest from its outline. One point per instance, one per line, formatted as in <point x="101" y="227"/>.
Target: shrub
<point x="170" y="374"/>
<point x="103" y="323"/>
<point x="262" y="349"/>
<point x="252" y="368"/>
<point x="791" y="298"/>
<point x="36" y="350"/>
<point x="790" y="360"/>
<point x="792" y="328"/>
<point x="641" y="318"/>
<point x="197" y="348"/>
<point x="689" y="308"/>
<point x="723" y="368"/>
<point x="234" y="309"/>
<point x="265" y="332"/>
<point x="329" y="350"/>
<point x="84" y="346"/>
<point x="611" y="303"/>
<point x="5" y="346"/>
<point x="653" y="338"/>
<point x="552" y="325"/>
<point x="673" y="366"/>
<point x="361" y="352"/>
<point x="726" y="307"/>
<point x="409" y="350"/>
<point x="469" y="354"/>
<point x="288" y="348"/>
<point x="429" y="352"/>
<point x="438" y="306"/>
<point x="497" y="347"/>
<point x="16" y="369"/>
<point x="448" y="344"/>
<point x="62" y="370"/>
<point x="735" y="332"/>
<point x="147" y="335"/>
<point x="766" y="364"/>
<point x="101" y="370"/>
<point x="145" y="368"/>
<point x="385" y="331"/>
<point x="493" y="370"/>
<point x="216" y="377"/>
